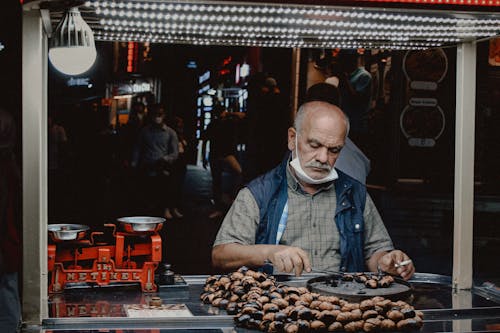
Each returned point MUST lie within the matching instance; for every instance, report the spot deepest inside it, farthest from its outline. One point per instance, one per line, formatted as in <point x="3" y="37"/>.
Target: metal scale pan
<point x="141" y="224"/>
<point x="67" y="232"/>
<point x="356" y="291"/>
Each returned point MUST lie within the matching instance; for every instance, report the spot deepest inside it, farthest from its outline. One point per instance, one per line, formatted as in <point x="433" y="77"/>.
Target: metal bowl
<point x="63" y="232"/>
<point x="141" y="223"/>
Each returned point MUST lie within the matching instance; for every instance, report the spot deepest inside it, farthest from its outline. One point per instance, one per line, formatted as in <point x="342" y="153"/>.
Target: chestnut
<point x="335" y="327"/>
<point x="371" y="325"/>
<point x="266" y="284"/>
<point x="270" y="307"/>
<point x="387" y="325"/>
<point x="301" y="303"/>
<point x="241" y="320"/>
<point x="280" y="302"/>
<point x="303" y="290"/>
<point x="305" y="314"/>
<point x="327" y="317"/>
<point x="269" y="316"/>
<point x="367" y="304"/>
<point x="370" y="314"/>
<point x="408" y="313"/>
<point x="304" y="326"/>
<point x="264" y="325"/>
<point x="232" y="309"/>
<point x="317" y="326"/>
<point x="325" y="306"/>
<point x="347" y="277"/>
<point x="248" y="310"/>
<point x="315" y="304"/>
<point x="263" y="299"/>
<point x="356" y="314"/>
<point x="223" y="303"/>
<point x="395" y="315"/>
<point x="407" y="325"/>
<point x="280" y="316"/>
<point x="216" y="302"/>
<point x="371" y="284"/>
<point x="292" y="298"/>
<point x="291" y="328"/>
<point x="276" y="326"/>
<point x="234" y="298"/>
<point x="354" y="326"/>
<point x="344" y="317"/>
<point x="308" y="298"/>
<point x="360" y="278"/>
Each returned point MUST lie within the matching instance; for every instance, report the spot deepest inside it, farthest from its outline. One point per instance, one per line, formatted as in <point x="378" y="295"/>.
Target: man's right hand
<point x="290" y="259"/>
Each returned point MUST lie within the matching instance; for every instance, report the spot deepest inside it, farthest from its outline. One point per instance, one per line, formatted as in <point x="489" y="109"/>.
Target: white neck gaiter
<point x="303" y="176"/>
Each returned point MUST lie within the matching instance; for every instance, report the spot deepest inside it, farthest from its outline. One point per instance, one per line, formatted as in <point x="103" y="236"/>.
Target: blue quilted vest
<point x="271" y="193"/>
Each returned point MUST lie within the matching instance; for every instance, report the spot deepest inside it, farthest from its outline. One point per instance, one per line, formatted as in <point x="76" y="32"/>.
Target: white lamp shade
<point x="72" y="48"/>
<point x="72" y="60"/>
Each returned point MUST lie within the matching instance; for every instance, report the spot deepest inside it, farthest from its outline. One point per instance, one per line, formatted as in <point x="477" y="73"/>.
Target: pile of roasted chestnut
<point x="372" y="281"/>
<point x="259" y="302"/>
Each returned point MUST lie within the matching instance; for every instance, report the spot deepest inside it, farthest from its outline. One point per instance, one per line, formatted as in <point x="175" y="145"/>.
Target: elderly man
<point x="305" y="214"/>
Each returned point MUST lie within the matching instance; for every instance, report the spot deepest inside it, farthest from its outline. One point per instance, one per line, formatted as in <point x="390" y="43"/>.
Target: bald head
<point x="318" y="111"/>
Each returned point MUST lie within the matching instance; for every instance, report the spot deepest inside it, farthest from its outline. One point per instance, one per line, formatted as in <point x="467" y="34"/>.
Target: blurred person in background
<point x="154" y="154"/>
<point x="130" y="131"/>
<point x="221" y="133"/>
<point x="10" y="226"/>
<point x="269" y="116"/>
<point x="179" y="167"/>
<point x="355" y="91"/>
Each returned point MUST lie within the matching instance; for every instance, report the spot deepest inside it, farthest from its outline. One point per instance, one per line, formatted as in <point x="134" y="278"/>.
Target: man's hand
<point x="288" y="259"/>
<point x="397" y="262"/>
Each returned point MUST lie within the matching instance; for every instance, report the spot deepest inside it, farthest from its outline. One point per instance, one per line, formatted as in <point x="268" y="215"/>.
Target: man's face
<point x="319" y="143"/>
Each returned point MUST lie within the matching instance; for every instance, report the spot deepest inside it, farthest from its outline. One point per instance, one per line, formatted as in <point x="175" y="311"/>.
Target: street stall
<point x="130" y="287"/>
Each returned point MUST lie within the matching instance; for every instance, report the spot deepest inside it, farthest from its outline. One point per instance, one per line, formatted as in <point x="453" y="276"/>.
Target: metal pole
<point x="34" y="129"/>
<point x="464" y="166"/>
<point x="294" y="93"/>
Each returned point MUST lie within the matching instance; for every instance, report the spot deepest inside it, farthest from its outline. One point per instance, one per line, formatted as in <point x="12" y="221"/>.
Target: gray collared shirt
<point x="156" y="143"/>
<point x="310" y="224"/>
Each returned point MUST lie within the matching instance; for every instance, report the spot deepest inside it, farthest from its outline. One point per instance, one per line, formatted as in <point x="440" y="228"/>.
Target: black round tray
<point x="356" y="291"/>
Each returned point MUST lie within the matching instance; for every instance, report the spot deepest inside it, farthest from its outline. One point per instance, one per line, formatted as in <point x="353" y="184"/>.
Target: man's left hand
<point x="397" y="262"/>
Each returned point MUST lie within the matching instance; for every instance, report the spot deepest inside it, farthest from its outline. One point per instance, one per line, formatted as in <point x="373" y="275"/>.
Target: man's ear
<point x="291" y="138"/>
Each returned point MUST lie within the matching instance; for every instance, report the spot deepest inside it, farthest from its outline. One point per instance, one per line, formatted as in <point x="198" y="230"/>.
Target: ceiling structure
<point x="283" y="24"/>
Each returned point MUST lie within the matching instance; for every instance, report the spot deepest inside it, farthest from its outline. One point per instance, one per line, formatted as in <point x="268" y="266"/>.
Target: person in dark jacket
<point x="154" y="154"/>
<point x="306" y="214"/>
<point x="10" y="226"/>
<point x="222" y="135"/>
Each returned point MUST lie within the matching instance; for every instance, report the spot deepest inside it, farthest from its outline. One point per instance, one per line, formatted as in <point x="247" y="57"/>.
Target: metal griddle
<point x="353" y="291"/>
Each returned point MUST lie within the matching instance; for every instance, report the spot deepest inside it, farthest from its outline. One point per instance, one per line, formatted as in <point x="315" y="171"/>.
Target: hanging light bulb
<point x="72" y="48"/>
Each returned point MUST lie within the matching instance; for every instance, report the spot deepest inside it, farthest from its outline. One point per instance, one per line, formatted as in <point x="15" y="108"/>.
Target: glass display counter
<point x="127" y="309"/>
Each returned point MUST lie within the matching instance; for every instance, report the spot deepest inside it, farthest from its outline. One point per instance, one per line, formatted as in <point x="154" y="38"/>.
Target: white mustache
<point x="318" y="165"/>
